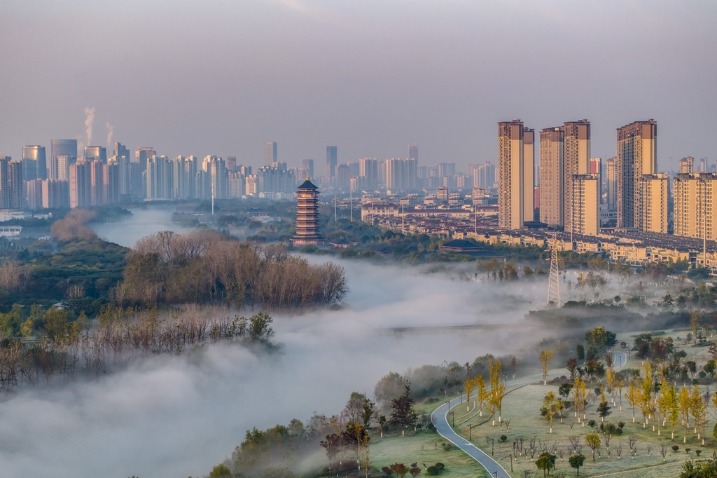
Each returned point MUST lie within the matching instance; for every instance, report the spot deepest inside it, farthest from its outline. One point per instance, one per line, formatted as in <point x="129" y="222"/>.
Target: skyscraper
<point x="636" y="156"/>
<point x="332" y="158"/>
<point x="34" y="162"/>
<point x="511" y="174"/>
<point x="95" y="153"/>
<point x="271" y="153"/>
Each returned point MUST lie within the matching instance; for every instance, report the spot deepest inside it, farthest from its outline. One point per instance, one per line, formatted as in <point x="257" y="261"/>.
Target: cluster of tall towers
<point x="569" y="188"/>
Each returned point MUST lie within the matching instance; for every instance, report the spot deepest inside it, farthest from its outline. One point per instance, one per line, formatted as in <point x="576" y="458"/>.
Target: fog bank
<point x="175" y="416"/>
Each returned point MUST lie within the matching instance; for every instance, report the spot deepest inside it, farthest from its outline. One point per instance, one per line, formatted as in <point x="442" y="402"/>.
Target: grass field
<point x="521" y="408"/>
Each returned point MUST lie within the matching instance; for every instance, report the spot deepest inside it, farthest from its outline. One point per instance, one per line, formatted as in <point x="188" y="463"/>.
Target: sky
<point x="224" y="77"/>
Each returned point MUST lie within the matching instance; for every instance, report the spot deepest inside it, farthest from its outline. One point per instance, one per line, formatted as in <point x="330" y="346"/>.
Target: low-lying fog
<point x="175" y="416"/>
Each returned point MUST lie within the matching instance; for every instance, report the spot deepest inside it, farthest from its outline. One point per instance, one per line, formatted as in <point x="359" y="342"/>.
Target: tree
<point x="593" y="441"/>
<point x="367" y="412"/>
<point x="698" y="408"/>
<point x="545" y="462"/>
<point x="683" y="403"/>
<point x="545" y="356"/>
<point x="481" y="393"/>
<point x="497" y="388"/>
<point x="633" y="396"/>
<point x="667" y="404"/>
<point x="580" y="351"/>
<point x="353" y="411"/>
<point x="387" y="389"/>
<point x="579" y="396"/>
<point x="700" y="469"/>
<point x="220" y="471"/>
<point x="576" y="461"/>
<point x="552" y="405"/>
<point x="468" y="385"/>
<point x="600" y="339"/>
<point x="403" y="414"/>
<point x="603" y="410"/>
<point x="400" y="469"/>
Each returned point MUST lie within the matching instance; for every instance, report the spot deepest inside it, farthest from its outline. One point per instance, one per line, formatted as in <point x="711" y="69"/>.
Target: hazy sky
<point x="223" y="77"/>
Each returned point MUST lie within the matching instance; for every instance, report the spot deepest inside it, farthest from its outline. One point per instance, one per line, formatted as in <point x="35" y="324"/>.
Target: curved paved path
<point x="439" y="418"/>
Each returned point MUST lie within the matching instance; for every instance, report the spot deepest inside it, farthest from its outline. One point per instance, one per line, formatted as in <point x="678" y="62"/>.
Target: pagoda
<point x="307" y="215"/>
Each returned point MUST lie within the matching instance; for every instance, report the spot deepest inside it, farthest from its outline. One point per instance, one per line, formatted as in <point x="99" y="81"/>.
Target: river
<point x="176" y="416"/>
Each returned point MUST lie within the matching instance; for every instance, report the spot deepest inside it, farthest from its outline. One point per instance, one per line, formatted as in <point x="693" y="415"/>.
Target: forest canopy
<point x="207" y="267"/>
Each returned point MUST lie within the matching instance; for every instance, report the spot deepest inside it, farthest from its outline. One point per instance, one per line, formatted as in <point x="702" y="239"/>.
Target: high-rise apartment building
<point x="564" y="154"/>
<point x="652" y="207"/>
<point x="511" y="174"/>
<point x="15" y="186"/>
<point x="695" y="213"/>
<point x="80" y="185"/>
<point x="65" y="148"/>
<point x="551" y="176"/>
<point x="585" y="208"/>
<point x="401" y="175"/>
<point x="413" y="152"/>
<point x="368" y="169"/>
<point x="611" y="183"/>
<point x="121" y="151"/>
<point x="636" y="156"/>
<point x="687" y="165"/>
<point x="528" y="175"/>
<point x="576" y="162"/>
<point x="484" y="175"/>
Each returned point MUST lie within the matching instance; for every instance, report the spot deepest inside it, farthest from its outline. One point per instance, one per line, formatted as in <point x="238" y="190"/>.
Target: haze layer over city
<point x="371" y="77"/>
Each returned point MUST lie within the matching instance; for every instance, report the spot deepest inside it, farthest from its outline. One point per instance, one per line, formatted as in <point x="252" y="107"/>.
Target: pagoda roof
<point x="307" y="185"/>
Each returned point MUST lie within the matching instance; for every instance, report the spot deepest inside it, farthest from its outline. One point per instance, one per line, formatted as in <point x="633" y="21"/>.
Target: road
<point x="439" y="418"/>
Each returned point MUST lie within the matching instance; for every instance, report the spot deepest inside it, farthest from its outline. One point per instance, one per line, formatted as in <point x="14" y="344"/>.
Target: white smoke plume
<point x="89" y="123"/>
<point x="110" y="134"/>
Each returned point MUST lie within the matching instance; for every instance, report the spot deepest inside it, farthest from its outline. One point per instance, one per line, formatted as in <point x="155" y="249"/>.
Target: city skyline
<point x="224" y="79"/>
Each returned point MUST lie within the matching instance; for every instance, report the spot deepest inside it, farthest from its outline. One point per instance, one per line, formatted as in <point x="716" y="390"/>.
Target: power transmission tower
<point x="554" y="277"/>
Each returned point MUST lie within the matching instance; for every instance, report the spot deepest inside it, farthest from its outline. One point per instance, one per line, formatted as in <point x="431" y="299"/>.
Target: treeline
<point x="70" y="347"/>
<point x="207" y="267"/>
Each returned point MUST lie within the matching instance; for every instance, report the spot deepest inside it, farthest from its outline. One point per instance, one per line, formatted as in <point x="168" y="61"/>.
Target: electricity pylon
<point x="554" y="277"/>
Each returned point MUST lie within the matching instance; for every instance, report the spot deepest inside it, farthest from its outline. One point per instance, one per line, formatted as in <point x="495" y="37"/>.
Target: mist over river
<point x="174" y="416"/>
